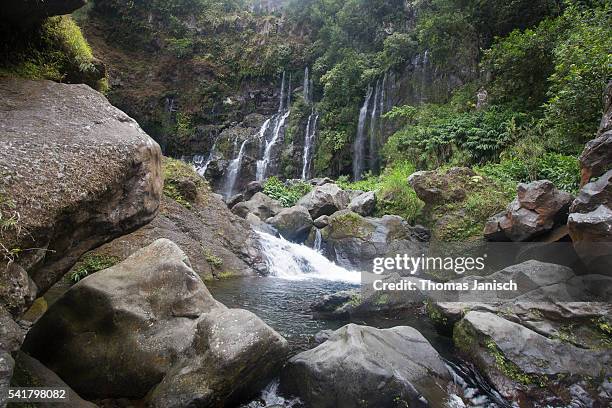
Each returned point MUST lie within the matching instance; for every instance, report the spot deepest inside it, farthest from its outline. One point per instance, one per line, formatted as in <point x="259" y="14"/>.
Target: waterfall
<point x="373" y="153"/>
<point x="279" y="120"/>
<point x="281" y="106"/>
<point x="234" y="170"/>
<point x="306" y="86"/>
<point x="262" y="165"/>
<point x="201" y="164"/>
<point x="359" y="144"/>
<point x="318" y="242"/>
<point x="309" y="139"/>
<point x="298" y="262"/>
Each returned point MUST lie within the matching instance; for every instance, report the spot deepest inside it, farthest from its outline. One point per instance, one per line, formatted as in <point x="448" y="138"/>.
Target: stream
<point x="299" y="276"/>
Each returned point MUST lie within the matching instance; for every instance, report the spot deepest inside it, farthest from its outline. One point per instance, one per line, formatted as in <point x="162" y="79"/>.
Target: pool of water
<point x="285" y="306"/>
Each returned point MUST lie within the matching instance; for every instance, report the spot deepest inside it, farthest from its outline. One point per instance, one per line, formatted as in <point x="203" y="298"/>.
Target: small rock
<point x="364" y="204"/>
<point x="325" y="200"/>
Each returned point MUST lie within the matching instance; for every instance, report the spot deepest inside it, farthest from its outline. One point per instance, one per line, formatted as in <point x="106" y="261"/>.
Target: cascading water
<point x="373" y="152"/>
<point x="201" y="164"/>
<point x="306" y="86"/>
<point x="298" y="262"/>
<point x="359" y="144"/>
<point x="234" y="170"/>
<point x="309" y="140"/>
<point x="278" y="120"/>
<point x="262" y="165"/>
<point x="318" y="242"/>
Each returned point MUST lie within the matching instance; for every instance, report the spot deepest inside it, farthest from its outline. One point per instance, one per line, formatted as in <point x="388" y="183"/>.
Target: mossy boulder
<point x="522" y="363"/>
<point x="151" y="319"/>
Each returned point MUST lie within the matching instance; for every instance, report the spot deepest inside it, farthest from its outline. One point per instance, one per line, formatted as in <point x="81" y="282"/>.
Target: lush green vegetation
<point x="394" y="194"/>
<point x="176" y="175"/>
<point x="287" y="194"/>
<point x="90" y="264"/>
<point x="54" y="50"/>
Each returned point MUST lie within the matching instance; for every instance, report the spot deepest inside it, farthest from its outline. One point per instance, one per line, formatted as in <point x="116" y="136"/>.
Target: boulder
<point x="233" y="200"/>
<point x="293" y="223"/>
<point x="322" y="221"/>
<point x="538" y="208"/>
<point x="354" y="241"/>
<point x="77" y="172"/>
<point x="135" y="323"/>
<point x="437" y="187"/>
<point x="320" y="181"/>
<point x="364" y="204"/>
<point x="363" y="366"/>
<point x="590" y="224"/>
<point x="231" y="358"/>
<point x="29" y="372"/>
<point x="258" y="225"/>
<point x="6" y="372"/>
<point x="325" y="200"/>
<point x="518" y="361"/>
<point x="252" y="188"/>
<point x="596" y="158"/>
<point x="24" y="12"/>
<point x="260" y="205"/>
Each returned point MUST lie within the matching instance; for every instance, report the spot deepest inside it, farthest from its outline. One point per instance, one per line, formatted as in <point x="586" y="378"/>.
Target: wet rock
<point x="538" y="208"/>
<point x="252" y="188"/>
<point x="83" y="182"/>
<point x="258" y="225"/>
<point x="364" y="204"/>
<point x="18" y="291"/>
<point x="322" y="221"/>
<point x="148" y="319"/>
<point x="517" y="360"/>
<point x="354" y="241"/>
<point x="436" y="187"/>
<point x="325" y="200"/>
<point x="293" y="223"/>
<point x="235" y="199"/>
<point x="232" y="357"/>
<point x="364" y="366"/>
<point x="30" y="372"/>
<point x="260" y="205"/>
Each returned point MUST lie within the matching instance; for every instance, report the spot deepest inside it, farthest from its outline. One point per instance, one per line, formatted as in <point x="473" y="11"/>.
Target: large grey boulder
<point x="77" y="172"/>
<point x="596" y="158"/>
<point x="517" y="360"/>
<point x="293" y="223"/>
<point x="437" y="187"/>
<point x="231" y="358"/>
<point x="590" y="224"/>
<point x="364" y="204"/>
<point x="260" y="205"/>
<point x="133" y="324"/>
<point x="363" y="366"/>
<point x="538" y="208"/>
<point x="354" y="241"/>
<point x="325" y="200"/>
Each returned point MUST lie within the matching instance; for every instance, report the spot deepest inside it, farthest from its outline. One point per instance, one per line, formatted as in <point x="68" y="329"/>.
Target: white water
<point x="200" y="164"/>
<point x="291" y="261"/>
<point x="262" y="165"/>
<point x="373" y="156"/>
<point x="306" y="86"/>
<point x="234" y="170"/>
<point x="318" y="241"/>
<point x="309" y="139"/>
<point x="359" y="144"/>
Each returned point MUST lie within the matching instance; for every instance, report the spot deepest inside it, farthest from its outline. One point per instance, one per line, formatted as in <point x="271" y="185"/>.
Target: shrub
<point x="287" y="195"/>
<point x="395" y="196"/>
<point x="91" y="264"/>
